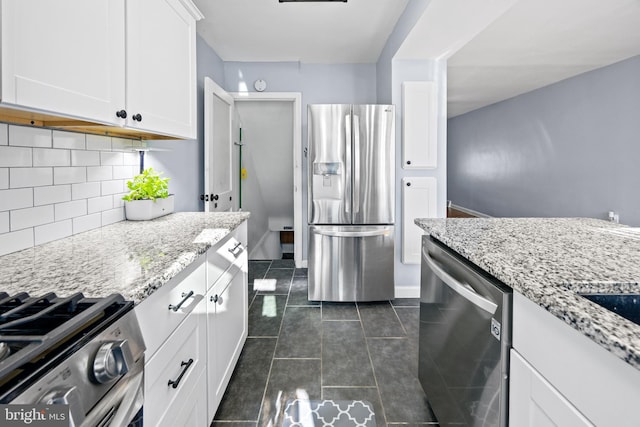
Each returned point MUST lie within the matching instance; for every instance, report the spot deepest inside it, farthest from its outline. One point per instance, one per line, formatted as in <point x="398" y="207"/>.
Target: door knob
<point x="137" y="117"/>
<point x="215" y="197"/>
<point x="121" y="114"/>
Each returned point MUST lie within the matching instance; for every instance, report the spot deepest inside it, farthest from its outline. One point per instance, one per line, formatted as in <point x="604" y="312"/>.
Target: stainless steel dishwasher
<point x="465" y="337"/>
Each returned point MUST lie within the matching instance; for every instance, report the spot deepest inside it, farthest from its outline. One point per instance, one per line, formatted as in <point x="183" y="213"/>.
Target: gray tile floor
<point x="341" y="351"/>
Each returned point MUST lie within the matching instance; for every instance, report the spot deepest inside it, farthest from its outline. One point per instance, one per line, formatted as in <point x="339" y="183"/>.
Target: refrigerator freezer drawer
<point x="351" y="263"/>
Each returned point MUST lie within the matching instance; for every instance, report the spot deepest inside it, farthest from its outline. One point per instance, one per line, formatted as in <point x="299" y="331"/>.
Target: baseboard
<point x="407" y="291"/>
<point x="470" y="211"/>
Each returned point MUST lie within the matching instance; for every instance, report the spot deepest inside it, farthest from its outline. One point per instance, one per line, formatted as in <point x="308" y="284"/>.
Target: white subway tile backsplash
<point x="111" y="158"/>
<point x="70" y="209"/>
<point x="55" y="183"/>
<point x="85" y="190"/>
<point x="123" y="172"/>
<point x="30" y="137"/>
<point x="4" y="222"/>
<point x="99" y="173"/>
<point x="51" y="157"/>
<point x="131" y="159"/>
<point x="4" y="134"/>
<point x="15" y="156"/>
<point x="117" y="200"/>
<point x="99" y="204"/>
<point x="69" y="140"/>
<point x="112" y="187"/>
<point x="16" y="199"/>
<point x="30" y="177"/>
<point x="98" y="142"/>
<point x="85" y="158"/>
<point x="4" y="178"/>
<point x="113" y="215"/>
<point x="31" y="217"/>
<point x="57" y="230"/>
<point x="121" y="144"/>
<point x="16" y="241"/>
<point x="69" y="175"/>
<point x="52" y="194"/>
<point x="87" y="222"/>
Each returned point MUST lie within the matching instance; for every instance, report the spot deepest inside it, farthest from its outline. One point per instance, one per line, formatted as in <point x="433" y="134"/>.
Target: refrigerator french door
<point x="351" y="202"/>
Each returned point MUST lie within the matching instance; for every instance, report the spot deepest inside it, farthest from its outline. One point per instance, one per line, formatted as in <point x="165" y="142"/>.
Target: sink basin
<point x="625" y="305"/>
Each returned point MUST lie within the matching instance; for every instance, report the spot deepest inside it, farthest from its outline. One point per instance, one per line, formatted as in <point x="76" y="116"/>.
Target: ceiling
<point x="496" y="49"/>
<point x="266" y="30"/>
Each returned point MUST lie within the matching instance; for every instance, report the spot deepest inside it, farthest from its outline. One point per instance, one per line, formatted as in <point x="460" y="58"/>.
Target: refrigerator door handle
<point x="356" y="164"/>
<point x="366" y="233"/>
<point x="347" y="137"/>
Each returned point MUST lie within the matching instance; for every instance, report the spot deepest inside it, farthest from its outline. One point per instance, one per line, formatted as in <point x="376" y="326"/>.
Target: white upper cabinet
<point x="161" y="60"/>
<point x="65" y="56"/>
<point x="120" y="63"/>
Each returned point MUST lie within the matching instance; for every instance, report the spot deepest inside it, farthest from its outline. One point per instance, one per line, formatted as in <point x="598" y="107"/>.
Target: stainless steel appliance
<point x="82" y="352"/>
<point x="351" y="202"/>
<point x="465" y="337"/>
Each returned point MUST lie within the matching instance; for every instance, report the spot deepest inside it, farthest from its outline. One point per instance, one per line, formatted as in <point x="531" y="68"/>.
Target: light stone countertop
<point x="132" y="258"/>
<point x="548" y="260"/>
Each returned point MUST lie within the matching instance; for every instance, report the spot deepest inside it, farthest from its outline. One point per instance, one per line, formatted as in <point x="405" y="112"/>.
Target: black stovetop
<point x="42" y="331"/>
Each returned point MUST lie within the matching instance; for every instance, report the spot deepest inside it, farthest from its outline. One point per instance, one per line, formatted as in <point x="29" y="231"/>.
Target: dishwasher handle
<point x="463" y="289"/>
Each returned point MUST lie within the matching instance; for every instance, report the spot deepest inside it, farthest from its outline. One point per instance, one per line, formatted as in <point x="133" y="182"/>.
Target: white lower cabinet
<point x="559" y="377"/>
<point x="226" y="334"/>
<point x="533" y="402"/>
<point x="194" y="328"/>
<point x="192" y="410"/>
<point x="174" y="370"/>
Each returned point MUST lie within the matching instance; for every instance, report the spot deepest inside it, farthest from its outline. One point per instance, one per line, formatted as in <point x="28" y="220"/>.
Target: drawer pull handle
<point x="236" y="247"/>
<point x="185" y="298"/>
<point x="186" y="366"/>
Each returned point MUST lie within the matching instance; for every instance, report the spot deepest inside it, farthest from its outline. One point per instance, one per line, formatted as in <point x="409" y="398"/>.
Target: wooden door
<point x="218" y="143"/>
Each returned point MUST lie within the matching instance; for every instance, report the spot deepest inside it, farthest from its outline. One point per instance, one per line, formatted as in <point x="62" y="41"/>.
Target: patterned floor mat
<point x="328" y="413"/>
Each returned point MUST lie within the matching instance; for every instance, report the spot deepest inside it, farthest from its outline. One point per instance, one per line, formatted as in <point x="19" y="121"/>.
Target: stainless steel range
<point x="82" y="352"/>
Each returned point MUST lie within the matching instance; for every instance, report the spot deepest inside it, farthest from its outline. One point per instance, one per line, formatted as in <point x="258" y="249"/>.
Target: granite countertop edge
<point x="132" y="258"/>
<point x="554" y="287"/>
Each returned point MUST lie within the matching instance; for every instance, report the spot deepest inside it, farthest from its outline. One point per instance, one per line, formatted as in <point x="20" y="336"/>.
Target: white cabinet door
<point x="65" y="57"/>
<point x="161" y="67"/>
<point x="226" y="334"/>
<point x="419" y="125"/>
<point x="419" y="200"/>
<point x="533" y="402"/>
<point x="192" y="410"/>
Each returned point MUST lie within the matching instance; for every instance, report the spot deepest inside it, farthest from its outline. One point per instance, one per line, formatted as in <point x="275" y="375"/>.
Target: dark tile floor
<point x="341" y="351"/>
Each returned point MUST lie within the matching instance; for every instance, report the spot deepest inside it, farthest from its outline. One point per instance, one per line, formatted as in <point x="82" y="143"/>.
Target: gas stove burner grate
<point x="35" y="332"/>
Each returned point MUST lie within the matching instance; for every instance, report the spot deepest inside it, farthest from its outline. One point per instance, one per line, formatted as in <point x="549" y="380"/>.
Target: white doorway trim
<point x="296" y="98"/>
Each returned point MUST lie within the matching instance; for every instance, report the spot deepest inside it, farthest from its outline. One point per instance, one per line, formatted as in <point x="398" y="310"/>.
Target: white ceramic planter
<point x="142" y="210"/>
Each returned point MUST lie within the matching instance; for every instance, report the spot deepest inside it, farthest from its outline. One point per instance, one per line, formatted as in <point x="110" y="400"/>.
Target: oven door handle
<point x="462" y="289"/>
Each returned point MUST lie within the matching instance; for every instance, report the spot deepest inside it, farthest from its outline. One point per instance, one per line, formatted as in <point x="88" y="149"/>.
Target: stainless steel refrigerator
<point x="351" y="202"/>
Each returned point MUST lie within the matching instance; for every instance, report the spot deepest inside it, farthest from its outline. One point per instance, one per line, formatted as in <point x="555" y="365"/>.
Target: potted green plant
<point x="148" y="196"/>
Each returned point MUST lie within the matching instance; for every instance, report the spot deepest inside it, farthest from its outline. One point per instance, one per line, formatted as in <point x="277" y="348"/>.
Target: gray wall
<point x="568" y="149"/>
<point x="182" y="161"/>
<point x="412" y="12"/>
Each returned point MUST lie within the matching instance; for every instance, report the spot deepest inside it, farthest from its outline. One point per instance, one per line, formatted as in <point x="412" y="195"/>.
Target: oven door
<point x="120" y="405"/>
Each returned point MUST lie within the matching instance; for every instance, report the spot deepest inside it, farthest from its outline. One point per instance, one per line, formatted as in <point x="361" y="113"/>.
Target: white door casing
<point x="296" y="98"/>
<point x="218" y="143"/>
